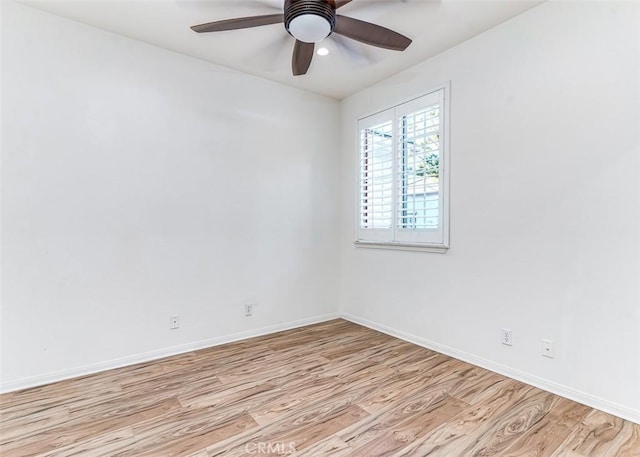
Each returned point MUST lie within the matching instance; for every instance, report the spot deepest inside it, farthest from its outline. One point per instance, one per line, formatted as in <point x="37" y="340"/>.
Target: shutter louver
<point x="376" y="176"/>
<point x="419" y="169"/>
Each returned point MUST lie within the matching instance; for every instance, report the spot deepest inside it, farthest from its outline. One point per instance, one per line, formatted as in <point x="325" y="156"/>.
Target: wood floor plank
<point x="58" y="396"/>
<point x="41" y="419"/>
<point x="504" y="431"/>
<point x="290" y="398"/>
<point x="272" y="367"/>
<point x="74" y="431"/>
<point x="338" y="391"/>
<point x="181" y="441"/>
<point x="420" y="400"/>
<point x="593" y="436"/>
<point x="241" y="397"/>
<point x="99" y="445"/>
<point x="306" y="436"/>
<point x="456" y="436"/>
<point x="544" y="438"/>
<point x="484" y="387"/>
<point x="301" y="432"/>
<point x="626" y="443"/>
<point x="446" y="379"/>
<point x="403" y="426"/>
<point x="330" y="389"/>
<point x="331" y="446"/>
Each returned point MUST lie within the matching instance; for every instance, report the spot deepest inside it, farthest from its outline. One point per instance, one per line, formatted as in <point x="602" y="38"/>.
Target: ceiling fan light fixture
<point x="309" y="28"/>
<point x="309" y="21"/>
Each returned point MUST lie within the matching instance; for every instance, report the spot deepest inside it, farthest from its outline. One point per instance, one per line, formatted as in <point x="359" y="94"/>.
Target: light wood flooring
<point x="331" y="389"/>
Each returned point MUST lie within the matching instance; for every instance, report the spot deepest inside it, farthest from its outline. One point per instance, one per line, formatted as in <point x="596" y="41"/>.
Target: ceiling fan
<point x="311" y="21"/>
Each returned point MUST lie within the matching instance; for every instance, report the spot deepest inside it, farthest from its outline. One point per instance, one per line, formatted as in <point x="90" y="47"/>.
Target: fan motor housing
<point x="323" y="8"/>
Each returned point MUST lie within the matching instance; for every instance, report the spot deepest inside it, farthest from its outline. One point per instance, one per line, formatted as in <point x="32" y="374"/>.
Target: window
<point x="403" y="175"/>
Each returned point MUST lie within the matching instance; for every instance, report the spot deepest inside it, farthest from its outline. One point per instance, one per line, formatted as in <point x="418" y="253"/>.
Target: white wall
<point x="545" y="208"/>
<point x="138" y="183"/>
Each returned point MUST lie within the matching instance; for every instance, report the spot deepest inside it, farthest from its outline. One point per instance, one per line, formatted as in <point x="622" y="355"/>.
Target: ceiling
<point x="433" y="25"/>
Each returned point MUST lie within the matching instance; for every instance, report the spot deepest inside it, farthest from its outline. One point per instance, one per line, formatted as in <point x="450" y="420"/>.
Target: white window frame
<point x="396" y="237"/>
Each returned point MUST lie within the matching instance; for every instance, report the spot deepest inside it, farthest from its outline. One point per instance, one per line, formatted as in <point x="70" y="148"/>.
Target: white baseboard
<point x="48" y="378"/>
<point x="544" y="384"/>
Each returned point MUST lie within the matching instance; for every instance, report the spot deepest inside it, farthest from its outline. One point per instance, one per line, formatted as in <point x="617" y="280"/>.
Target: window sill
<point x="399" y="246"/>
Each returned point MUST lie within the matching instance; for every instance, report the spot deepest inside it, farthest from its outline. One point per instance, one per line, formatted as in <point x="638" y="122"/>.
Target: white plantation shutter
<point x="376" y="176"/>
<point x="419" y="200"/>
<point x="402" y="191"/>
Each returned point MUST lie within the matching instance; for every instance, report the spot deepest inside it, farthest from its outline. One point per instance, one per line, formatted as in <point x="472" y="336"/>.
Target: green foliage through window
<point x="429" y="165"/>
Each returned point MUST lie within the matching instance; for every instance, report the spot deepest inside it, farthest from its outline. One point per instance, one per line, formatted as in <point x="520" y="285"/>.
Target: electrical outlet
<point x="248" y="310"/>
<point x="506" y="337"/>
<point x="547" y="348"/>
<point x="174" y="322"/>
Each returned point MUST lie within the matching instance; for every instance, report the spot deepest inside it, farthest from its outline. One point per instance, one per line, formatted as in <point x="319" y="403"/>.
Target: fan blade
<point x="369" y="33"/>
<point x="341" y="3"/>
<point x="239" y="23"/>
<point x="302" y="55"/>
